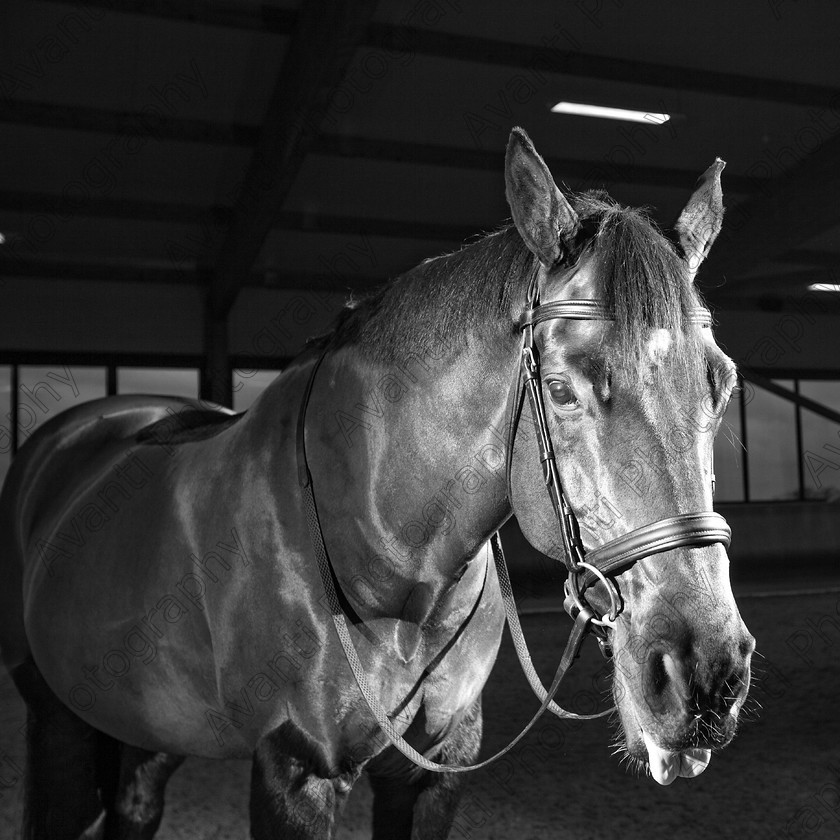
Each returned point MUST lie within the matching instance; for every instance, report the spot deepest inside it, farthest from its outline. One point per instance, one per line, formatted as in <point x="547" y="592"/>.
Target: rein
<point x="585" y="569"/>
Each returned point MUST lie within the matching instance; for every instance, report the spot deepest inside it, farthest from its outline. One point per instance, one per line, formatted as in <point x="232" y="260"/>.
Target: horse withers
<point x="168" y="567"/>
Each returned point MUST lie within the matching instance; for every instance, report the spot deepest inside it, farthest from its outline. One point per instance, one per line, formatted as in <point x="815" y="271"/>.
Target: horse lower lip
<point x="666" y="765"/>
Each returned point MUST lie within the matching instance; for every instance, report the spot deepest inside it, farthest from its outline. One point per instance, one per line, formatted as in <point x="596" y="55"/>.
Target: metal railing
<point x="109" y="364"/>
<point x="799" y="402"/>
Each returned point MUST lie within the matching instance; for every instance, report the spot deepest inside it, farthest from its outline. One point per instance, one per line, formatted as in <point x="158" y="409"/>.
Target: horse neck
<point x="426" y="437"/>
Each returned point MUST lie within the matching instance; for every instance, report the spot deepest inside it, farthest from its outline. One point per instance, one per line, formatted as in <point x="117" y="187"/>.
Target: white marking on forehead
<point x="658" y="344"/>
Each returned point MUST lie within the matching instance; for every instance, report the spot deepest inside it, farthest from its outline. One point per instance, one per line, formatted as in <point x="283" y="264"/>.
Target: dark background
<point x="190" y="189"/>
<point x="159" y="155"/>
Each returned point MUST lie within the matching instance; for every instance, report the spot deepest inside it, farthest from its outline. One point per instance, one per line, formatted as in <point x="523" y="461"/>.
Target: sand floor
<point x="780" y="778"/>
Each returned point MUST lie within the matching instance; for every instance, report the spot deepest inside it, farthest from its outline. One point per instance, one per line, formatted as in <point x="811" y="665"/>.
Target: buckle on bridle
<point x="579" y="610"/>
<point x="608" y="618"/>
<point x="575" y="602"/>
<point x="529" y="362"/>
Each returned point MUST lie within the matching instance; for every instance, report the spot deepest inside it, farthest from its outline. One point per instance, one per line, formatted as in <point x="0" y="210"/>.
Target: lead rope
<point x="329" y="581"/>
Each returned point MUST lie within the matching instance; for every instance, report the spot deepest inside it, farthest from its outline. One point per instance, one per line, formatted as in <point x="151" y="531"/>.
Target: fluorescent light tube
<point x="583" y="110"/>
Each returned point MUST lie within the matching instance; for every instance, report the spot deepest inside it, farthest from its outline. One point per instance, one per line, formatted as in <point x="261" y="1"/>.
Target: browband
<point x="591" y="310"/>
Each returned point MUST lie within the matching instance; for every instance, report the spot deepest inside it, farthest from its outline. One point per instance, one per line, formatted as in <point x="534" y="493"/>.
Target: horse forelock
<point x="641" y="277"/>
<point x="643" y="280"/>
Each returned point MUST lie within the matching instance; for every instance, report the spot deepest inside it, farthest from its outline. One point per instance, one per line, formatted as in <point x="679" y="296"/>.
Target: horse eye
<point x="561" y="393"/>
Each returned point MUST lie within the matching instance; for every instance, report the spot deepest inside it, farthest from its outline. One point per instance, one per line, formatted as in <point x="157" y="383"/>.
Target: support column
<point x="217" y="375"/>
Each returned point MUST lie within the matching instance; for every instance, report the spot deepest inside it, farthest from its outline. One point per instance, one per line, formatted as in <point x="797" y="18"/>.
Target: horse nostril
<point x="664" y="686"/>
<point x="695" y="686"/>
<point x="735" y="689"/>
<point x="657" y="674"/>
<point x="747" y="646"/>
<point x="730" y="683"/>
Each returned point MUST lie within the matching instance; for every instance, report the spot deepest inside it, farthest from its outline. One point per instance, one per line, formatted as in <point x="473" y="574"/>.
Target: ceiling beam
<point x="231" y="15"/>
<point x="98" y="207"/>
<point x="446" y="45"/>
<point x="318" y="281"/>
<point x="155" y="274"/>
<point x="811" y="256"/>
<point x="48" y="115"/>
<point x="108" y="272"/>
<point x="355" y="226"/>
<point x="790" y="209"/>
<point x="100" y="120"/>
<point x="216" y="219"/>
<point x="321" y="48"/>
<point x="592" y="172"/>
<point x="608" y="68"/>
<point x="135" y="123"/>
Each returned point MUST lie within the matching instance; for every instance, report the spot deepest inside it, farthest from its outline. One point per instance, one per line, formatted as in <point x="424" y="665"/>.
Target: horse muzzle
<point x="680" y="683"/>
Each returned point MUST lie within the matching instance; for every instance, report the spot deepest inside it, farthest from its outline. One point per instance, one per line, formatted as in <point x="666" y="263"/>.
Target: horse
<point x="175" y="574"/>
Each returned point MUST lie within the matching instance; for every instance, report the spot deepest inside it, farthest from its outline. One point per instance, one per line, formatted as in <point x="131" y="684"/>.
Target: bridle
<point x="584" y="568"/>
<point x="602" y="563"/>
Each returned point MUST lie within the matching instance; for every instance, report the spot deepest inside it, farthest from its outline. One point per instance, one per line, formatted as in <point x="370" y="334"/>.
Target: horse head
<point x="633" y="398"/>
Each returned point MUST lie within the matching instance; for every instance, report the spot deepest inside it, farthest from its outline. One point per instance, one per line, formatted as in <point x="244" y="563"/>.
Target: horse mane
<point x="642" y="274"/>
<point x="441" y="299"/>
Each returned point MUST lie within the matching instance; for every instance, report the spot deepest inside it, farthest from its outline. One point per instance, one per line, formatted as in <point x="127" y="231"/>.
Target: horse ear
<point x="543" y="217"/>
<point x="700" y="221"/>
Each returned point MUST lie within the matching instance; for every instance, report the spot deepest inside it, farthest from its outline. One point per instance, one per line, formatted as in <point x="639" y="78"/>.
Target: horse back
<point x="52" y="469"/>
<point x="150" y="548"/>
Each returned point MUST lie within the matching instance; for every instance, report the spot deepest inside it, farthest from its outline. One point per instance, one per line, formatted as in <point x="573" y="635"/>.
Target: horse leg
<point x="293" y="793"/>
<point x="393" y="806"/>
<point x="434" y="812"/>
<point x="422" y="805"/>
<point x="135" y="804"/>
<point x="61" y="787"/>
